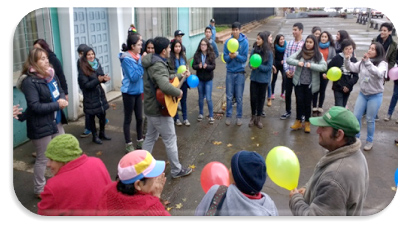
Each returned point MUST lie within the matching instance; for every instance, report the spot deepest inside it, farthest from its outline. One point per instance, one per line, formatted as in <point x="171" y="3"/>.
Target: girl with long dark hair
<point x="204" y="64"/>
<point x="310" y="63"/>
<point x="91" y="75"/>
<point x="327" y="48"/>
<point x="260" y="78"/>
<point x="372" y="70"/>
<point x="178" y="58"/>
<point x="279" y="48"/>
<point x="132" y="89"/>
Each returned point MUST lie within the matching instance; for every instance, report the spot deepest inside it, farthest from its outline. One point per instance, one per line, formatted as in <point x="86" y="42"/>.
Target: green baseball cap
<point x="338" y="118"/>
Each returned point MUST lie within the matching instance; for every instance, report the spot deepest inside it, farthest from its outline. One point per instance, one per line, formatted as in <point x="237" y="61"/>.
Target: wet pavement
<point x="198" y="144"/>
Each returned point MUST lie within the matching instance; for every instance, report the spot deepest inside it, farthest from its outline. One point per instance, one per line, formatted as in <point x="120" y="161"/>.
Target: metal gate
<point x="91" y="28"/>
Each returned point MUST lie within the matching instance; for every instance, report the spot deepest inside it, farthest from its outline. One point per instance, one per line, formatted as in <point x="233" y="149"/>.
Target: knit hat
<point x="248" y="171"/>
<point x="338" y="118"/>
<point x="139" y="164"/>
<point x="63" y="148"/>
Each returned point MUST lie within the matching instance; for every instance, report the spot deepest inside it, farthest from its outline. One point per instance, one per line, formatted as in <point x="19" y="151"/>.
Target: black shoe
<point x="285" y="115"/>
<point x="183" y="172"/>
<point x="97" y="140"/>
<point x="103" y="136"/>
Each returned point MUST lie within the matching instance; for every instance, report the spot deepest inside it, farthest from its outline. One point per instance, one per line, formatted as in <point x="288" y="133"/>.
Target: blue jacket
<point x="262" y="74"/>
<point x="239" y="62"/>
<point x="214" y="32"/>
<point x="132" y="83"/>
<point x="215" y="47"/>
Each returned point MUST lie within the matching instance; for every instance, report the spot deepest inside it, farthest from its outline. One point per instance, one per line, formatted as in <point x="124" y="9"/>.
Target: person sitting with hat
<point x="138" y="190"/>
<point x="340" y="180"/>
<point x="78" y="180"/>
<point x="243" y="197"/>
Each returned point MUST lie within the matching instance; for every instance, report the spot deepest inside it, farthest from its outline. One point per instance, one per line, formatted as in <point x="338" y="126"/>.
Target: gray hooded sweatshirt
<point x="237" y="204"/>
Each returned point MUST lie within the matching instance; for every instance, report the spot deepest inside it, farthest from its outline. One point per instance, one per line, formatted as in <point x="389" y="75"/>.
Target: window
<point x="153" y="22"/>
<point x="35" y="25"/>
<point x="199" y="19"/>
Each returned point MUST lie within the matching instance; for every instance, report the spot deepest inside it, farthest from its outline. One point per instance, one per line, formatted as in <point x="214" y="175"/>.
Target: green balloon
<point x="334" y="74"/>
<point x="232" y="45"/>
<point x="191" y="63"/>
<point x="255" y="60"/>
<point x="181" y="69"/>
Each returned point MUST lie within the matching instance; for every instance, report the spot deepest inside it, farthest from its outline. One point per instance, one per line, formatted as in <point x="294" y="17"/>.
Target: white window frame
<point x="199" y="19"/>
<point x="153" y="22"/>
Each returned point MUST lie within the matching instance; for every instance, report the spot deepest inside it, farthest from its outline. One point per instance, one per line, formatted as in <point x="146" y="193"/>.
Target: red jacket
<point x="114" y="203"/>
<point x="76" y="188"/>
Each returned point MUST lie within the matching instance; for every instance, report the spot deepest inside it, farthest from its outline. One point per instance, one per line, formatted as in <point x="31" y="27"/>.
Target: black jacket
<point x="348" y="79"/>
<point x="94" y="100"/>
<point x="206" y="74"/>
<point x="40" y="112"/>
<point x="278" y="57"/>
<point x="57" y="66"/>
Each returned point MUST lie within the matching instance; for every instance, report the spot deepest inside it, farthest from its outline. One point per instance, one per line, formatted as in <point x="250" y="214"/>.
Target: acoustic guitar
<point x="170" y="103"/>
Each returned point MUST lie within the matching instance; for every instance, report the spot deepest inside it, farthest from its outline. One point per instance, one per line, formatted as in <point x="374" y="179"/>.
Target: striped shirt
<point x="292" y="47"/>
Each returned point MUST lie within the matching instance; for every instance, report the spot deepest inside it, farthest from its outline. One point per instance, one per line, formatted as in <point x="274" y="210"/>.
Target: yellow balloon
<point x="222" y="58"/>
<point x="283" y="167"/>
<point x="232" y="45"/>
<point x="181" y="69"/>
<point x="334" y="74"/>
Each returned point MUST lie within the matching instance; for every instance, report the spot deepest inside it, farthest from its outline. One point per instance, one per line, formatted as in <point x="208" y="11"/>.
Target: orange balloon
<point x="214" y="173"/>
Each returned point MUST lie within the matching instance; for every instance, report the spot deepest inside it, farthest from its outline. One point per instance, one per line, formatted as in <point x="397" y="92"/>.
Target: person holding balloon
<point x="177" y="59"/>
<point x="204" y="64"/>
<point x="310" y="63"/>
<point x="243" y="196"/>
<point x="339" y="184"/>
<point x="391" y="55"/>
<point x="343" y="85"/>
<point x="236" y="51"/>
<point x="261" y="63"/>
<point x="327" y="48"/>
<point x="372" y="70"/>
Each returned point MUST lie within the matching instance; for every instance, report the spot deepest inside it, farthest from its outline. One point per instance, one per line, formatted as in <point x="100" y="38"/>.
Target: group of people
<point x="151" y="65"/>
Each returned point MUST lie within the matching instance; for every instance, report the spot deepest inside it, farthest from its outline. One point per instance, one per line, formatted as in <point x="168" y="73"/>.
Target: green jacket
<point x="392" y="54"/>
<point x="316" y="68"/>
<point x="158" y="71"/>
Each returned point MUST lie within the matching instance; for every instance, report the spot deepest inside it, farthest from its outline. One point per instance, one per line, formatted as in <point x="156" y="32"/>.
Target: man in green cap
<point x="78" y="180"/>
<point x="339" y="183"/>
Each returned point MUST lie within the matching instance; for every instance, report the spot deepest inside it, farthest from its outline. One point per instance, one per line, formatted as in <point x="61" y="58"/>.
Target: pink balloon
<point x="214" y="173"/>
<point x="393" y="73"/>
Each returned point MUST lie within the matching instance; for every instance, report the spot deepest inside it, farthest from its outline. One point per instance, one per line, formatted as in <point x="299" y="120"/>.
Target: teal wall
<point x="19" y="128"/>
<point x="190" y="42"/>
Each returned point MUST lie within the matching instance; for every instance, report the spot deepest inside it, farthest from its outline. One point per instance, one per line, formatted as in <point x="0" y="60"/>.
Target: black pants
<point x="132" y="103"/>
<point x="257" y="96"/>
<point x="322" y="90"/>
<point x="288" y="92"/>
<point x="341" y="98"/>
<point x="92" y="122"/>
<point x="303" y="97"/>
<point x="273" y="81"/>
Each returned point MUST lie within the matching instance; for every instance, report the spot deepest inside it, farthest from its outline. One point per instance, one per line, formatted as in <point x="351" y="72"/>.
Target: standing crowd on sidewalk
<point x="150" y="71"/>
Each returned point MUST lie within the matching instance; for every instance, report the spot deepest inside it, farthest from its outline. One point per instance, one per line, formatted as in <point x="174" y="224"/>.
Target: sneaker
<point x="272" y="97"/>
<point x="211" y="120"/>
<point x="139" y="143"/>
<point x="183" y="172"/>
<point x="129" y="147"/>
<point x="368" y="146"/>
<point x="282" y="96"/>
<point x="228" y="121"/>
<point x="239" y="121"/>
<point x="200" y="117"/>
<point x="263" y="114"/>
<point x="106" y="121"/>
<point x="85" y="133"/>
<point x="303" y="118"/>
<point x="377" y="118"/>
<point x="285" y="115"/>
<point x="387" y="118"/>
<point x="186" y="122"/>
<point x="178" y="123"/>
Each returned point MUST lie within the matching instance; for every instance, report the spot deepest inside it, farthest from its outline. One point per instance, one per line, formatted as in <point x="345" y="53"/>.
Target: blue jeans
<point x="205" y="90"/>
<point x="235" y="83"/>
<point x="183" y="102"/>
<point x="370" y="104"/>
<point x="394" y="98"/>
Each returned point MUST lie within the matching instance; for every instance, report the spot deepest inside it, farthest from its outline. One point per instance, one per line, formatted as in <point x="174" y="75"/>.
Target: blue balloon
<point x="396" y="178"/>
<point x="193" y="81"/>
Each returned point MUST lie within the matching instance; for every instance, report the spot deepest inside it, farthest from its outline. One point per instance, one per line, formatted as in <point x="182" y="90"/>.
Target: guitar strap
<point x="217" y="201"/>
